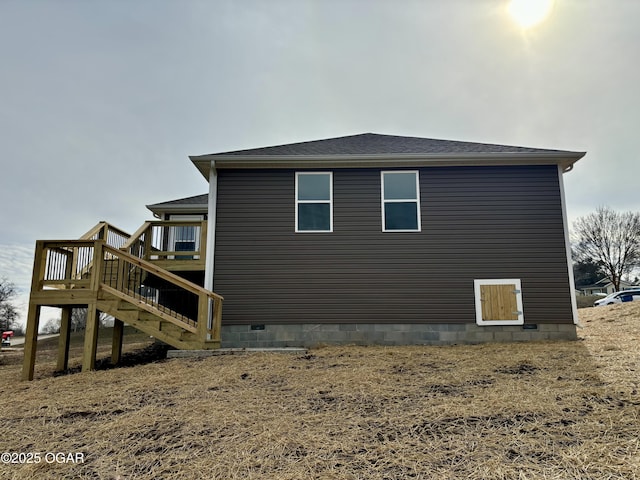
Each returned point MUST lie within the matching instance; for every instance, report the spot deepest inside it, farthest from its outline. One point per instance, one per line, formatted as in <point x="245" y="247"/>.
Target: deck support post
<point x="116" y="345"/>
<point x="31" y="341"/>
<point x="33" y="316"/>
<point x="93" y="315"/>
<point x="63" y="340"/>
<point x="203" y="318"/>
<point x="217" y="320"/>
<point x="90" y="339"/>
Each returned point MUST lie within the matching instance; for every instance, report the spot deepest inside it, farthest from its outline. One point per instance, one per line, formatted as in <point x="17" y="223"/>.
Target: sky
<point x="103" y="102"/>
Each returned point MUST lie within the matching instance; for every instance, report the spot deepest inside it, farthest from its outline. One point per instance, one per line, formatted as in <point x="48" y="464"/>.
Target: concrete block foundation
<point x="310" y="335"/>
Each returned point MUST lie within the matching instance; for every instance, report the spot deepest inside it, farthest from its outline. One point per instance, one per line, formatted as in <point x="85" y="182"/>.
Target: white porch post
<point x="211" y="235"/>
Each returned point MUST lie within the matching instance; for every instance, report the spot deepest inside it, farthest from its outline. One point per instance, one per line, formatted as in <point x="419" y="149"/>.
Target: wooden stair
<point x="165" y="325"/>
<point x="90" y="272"/>
<point x="181" y="337"/>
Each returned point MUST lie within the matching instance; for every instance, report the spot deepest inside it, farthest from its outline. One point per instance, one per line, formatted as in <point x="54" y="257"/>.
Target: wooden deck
<point x="129" y="278"/>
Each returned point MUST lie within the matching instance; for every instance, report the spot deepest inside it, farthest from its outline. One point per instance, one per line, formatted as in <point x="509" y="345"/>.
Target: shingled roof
<point x="183" y="205"/>
<point x="376" y="144"/>
<point x="375" y="150"/>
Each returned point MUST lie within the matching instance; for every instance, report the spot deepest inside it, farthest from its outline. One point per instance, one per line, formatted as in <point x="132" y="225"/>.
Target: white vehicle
<point x="633" y="294"/>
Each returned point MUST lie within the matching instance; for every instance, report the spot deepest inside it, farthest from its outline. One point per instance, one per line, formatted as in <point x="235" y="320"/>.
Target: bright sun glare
<point x="528" y="13"/>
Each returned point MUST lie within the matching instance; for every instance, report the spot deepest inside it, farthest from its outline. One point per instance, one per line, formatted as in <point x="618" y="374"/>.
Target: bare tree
<point x="8" y="312"/>
<point x="51" y="326"/>
<point x="79" y="319"/>
<point x="610" y="239"/>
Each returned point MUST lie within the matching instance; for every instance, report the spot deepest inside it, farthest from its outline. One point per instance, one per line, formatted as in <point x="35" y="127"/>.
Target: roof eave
<point x="203" y="162"/>
<point x="190" y="208"/>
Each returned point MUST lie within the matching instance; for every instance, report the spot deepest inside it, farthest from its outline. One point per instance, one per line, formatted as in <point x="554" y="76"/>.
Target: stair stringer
<point x="140" y="317"/>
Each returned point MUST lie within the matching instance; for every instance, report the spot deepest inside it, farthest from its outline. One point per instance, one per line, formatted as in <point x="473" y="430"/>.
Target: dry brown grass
<point x="565" y="410"/>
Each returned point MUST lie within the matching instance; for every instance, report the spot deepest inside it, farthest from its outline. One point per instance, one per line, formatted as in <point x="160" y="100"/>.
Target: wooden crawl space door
<point x="498" y="302"/>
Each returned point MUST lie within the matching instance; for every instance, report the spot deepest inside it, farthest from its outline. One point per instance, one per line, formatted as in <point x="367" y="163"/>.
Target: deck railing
<point x="172" y="244"/>
<point x="170" y="241"/>
<point x="64" y="264"/>
<point x="94" y="265"/>
<point x="112" y="235"/>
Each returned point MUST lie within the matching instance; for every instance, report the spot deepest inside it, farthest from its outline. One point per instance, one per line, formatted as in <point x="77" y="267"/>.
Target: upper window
<point x="400" y="201"/>
<point x="314" y="202"/>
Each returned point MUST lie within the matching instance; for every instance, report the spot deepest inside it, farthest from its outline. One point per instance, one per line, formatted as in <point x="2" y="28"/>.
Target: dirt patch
<point x="520" y="369"/>
<point x="551" y="410"/>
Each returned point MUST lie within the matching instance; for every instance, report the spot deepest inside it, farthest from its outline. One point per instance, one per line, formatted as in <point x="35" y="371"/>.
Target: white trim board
<point x="567" y="246"/>
<point x="500" y="281"/>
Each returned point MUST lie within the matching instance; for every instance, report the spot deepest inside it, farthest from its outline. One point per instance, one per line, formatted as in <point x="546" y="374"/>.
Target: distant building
<point x="602" y="286"/>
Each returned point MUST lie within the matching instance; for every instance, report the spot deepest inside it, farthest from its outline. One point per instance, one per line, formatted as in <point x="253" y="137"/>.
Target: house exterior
<point x="366" y="239"/>
<point x="380" y="239"/>
<point x="603" y="286"/>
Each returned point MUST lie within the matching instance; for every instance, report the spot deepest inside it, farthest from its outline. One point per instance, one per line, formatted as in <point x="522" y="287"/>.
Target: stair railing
<point x="111" y="234"/>
<point x="178" y="301"/>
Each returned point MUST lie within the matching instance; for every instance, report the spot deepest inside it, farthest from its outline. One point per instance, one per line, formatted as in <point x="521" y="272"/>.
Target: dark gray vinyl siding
<point x="477" y="223"/>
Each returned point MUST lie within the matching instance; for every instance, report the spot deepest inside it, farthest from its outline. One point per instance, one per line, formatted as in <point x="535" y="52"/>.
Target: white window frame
<point x="383" y="201"/>
<point x="499" y="281"/>
<point x="172" y="233"/>
<point x="330" y="201"/>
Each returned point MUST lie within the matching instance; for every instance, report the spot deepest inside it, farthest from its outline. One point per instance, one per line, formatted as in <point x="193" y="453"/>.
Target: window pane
<point x="401" y="216"/>
<point x="314" y="187"/>
<point x="184" y="247"/>
<point x="314" y="216"/>
<point x="185" y="233"/>
<point x="399" y="186"/>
